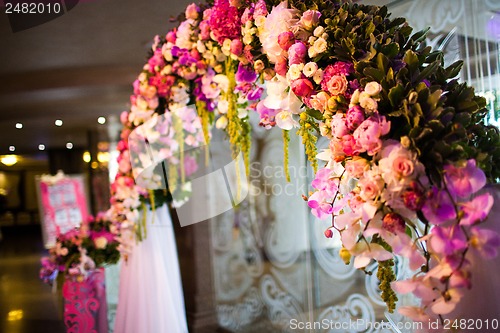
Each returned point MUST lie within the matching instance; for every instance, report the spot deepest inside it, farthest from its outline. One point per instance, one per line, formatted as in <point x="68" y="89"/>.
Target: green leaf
<point x="454" y="69"/>
<point x="376" y="74"/>
<point x="390" y="50"/>
<point x="427" y="71"/>
<point x="467" y="106"/>
<point x="396" y="95"/>
<point x="420" y="36"/>
<point x="411" y="60"/>
<point x="382" y="62"/>
<point x="315" y="113"/>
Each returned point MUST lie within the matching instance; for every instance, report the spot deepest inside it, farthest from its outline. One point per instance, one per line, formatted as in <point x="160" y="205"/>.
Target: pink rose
<point x="260" y="9"/>
<point x="302" y="87"/>
<point x="124" y="117"/>
<point x="192" y="11"/>
<point x="286" y="40"/>
<point x="354" y="117"/>
<point x="337" y="85"/>
<point x="356" y="167"/>
<point x="297" y="53"/>
<point x="204" y="30"/>
<point x="247" y="15"/>
<point x="319" y="101"/>
<point x="280" y="67"/>
<point x="236" y="47"/>
<point x="171" y="37"/>
<point x="403" y="166"/>
<point x="309" y="19"/>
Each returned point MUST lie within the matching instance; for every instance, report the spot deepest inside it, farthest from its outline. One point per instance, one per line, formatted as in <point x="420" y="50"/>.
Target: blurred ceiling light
<point x="19" y="125"/>
<point x="101" y="120"/>
<point x="103" y="157"/>
<point x="15" y="315"/>
<point x="12" y="148"/>
<point x="9" y="160"/>
<point x="59" y="122"/>
<point x="69" y="145"/>
<point x="86" y="157"/>
<point x="41" y="147"/>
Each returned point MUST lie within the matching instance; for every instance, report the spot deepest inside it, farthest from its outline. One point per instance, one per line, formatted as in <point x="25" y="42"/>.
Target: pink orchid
<point x="466" y="180"/>
<point x="319" y="206"/>
<point x="438" y="207"/>
<point x="485" y="242"/>
<point x="477" y="209"/>
<point x="365" y="253"/>
<point x="447" y="240"/>
<point x="324" y="181"/>
<point x="403" y="245"/>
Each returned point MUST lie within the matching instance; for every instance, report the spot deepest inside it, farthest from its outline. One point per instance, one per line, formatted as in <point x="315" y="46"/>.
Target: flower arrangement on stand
<point x="408" y="153"/>
<point x="77" y="261"/>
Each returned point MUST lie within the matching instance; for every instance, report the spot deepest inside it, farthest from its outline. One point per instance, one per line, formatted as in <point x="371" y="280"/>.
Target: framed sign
<point x="62" y="204"/>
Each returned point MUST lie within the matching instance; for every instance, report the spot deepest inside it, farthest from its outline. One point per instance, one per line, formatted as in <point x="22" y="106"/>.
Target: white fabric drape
<point x="150" y="297"/>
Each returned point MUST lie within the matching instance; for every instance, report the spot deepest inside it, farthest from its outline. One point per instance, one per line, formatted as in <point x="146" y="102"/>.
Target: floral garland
<point x="79" y="252"/>
<point x="408" y="149"/>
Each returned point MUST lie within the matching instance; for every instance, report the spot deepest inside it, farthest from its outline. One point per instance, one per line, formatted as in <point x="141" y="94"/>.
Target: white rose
<point x="373" y="88"/>
<point x="221" y="123"/>
<point x="355" y="98"/>
<point x="295" y="71"/>
<point x="223" y="106"/>
<point x="310" y="69"/>
<point x="318" y="76"/>
<point x="100" y="242"/>
<point x="367" y="102"/>
<point x="320" y="45"/>
<point x="318" y="32"/>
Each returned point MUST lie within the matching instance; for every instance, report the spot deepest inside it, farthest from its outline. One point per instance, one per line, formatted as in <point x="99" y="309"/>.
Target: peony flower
<point x="281" y="66"/>
<point x="354" y="117"/>
<point x="279" y="20"/>
<point x="337" y="85"/>
<point x="236" y="47"/>
<point x="464" y="181"/>
<point x="224" y="21"/>
<point x="297" y="53"/>
<point x="309" y="19"/>
<point x="286" y="39"/>
<point x="192" y="11"/>
<point x="339" y="126"/>
<point x="367" y="135"/>
<point x="302" y="87"/>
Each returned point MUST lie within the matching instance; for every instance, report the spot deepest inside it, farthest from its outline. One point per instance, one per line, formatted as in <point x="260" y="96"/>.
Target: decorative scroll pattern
<point x="282" y="307"/>
<point x="357" y="307"/>
<point x="234" y="317"/>
<point x="85" y="304"/>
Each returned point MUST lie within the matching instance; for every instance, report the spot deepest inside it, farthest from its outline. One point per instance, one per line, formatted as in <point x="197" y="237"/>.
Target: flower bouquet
<point x="79" y="257"/>
<point x="408" y="149"/>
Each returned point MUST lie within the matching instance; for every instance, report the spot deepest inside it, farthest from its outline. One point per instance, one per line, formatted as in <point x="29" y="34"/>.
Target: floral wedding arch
<point x="408" y="147"/>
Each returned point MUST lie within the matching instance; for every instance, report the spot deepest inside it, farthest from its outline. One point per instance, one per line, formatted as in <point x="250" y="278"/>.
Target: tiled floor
<point x="27" y="305"/>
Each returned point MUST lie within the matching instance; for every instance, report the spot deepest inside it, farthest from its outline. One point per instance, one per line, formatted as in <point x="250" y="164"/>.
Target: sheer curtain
<point x="150" y="298"/>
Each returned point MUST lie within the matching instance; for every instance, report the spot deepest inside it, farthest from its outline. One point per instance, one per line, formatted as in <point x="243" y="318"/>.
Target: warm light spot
<point x="86" y="157"/>
<point x="19" y="125"/>
<point x="12" y="148"/>
<point x="103" y="157"/>
<point x="9" y="160"/>
<point x="15" y="315"/>
<point x="59" y="122"/>
<point x="94" y="165"/>
<point x="101" y="120"/>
